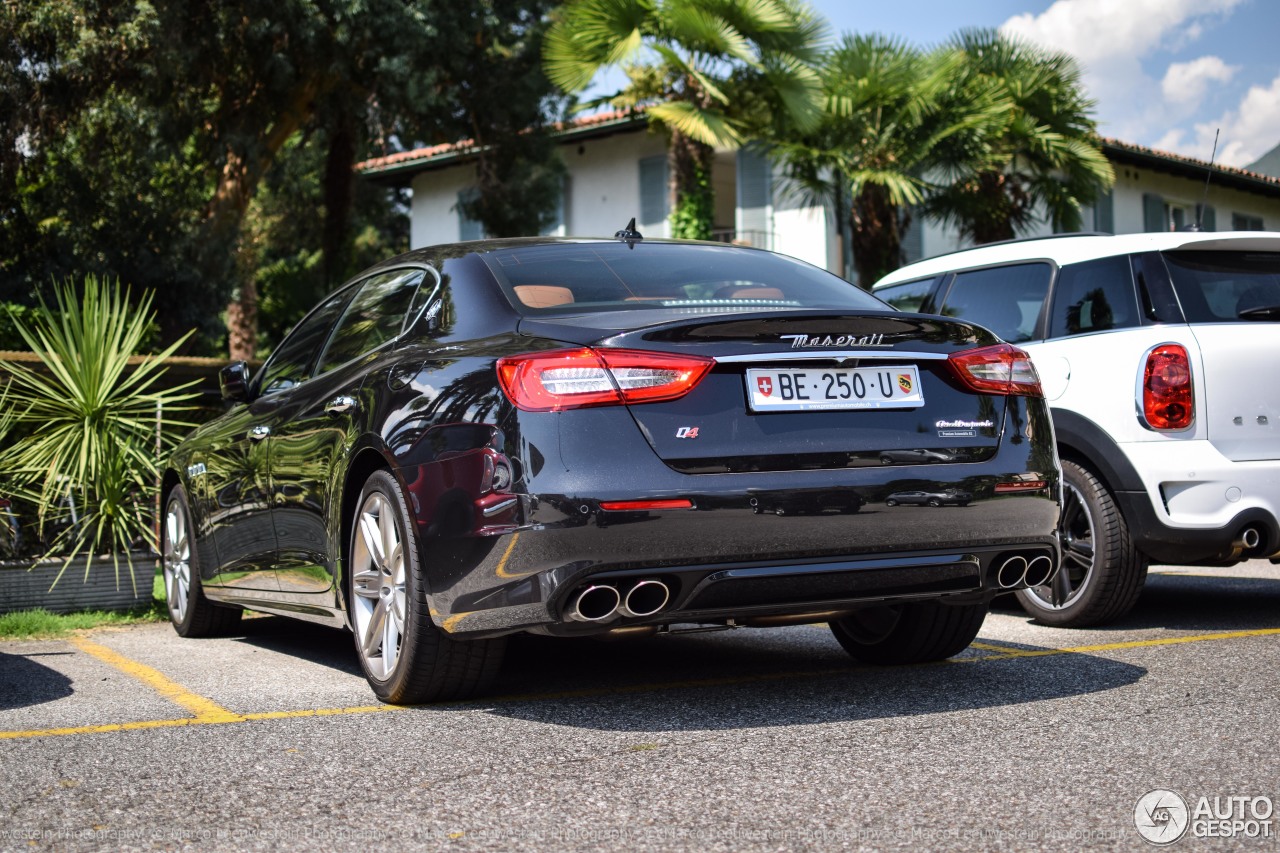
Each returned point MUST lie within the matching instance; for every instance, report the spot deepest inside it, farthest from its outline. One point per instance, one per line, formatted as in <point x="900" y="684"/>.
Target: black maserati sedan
<point x="610" y="436"/>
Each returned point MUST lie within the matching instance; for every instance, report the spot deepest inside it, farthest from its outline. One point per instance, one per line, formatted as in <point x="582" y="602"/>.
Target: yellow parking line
<point x="206" y="710"/>
<point x="213" y="714"/>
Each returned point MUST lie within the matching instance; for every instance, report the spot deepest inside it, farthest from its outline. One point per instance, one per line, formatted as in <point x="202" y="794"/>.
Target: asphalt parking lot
<point x="750" y="739"/>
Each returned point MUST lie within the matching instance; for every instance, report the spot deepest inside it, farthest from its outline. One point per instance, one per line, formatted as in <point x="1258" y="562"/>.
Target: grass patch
<point x="40" y="623"/>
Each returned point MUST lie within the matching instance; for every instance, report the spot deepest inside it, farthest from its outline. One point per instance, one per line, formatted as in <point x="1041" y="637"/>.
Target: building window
<point x="468" y="228"/>
<point x="1245" y="222"/>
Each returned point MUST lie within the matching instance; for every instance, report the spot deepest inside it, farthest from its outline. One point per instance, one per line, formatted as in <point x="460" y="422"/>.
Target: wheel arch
<point x="363" y="465"/>
<point x="1084" y="442"/>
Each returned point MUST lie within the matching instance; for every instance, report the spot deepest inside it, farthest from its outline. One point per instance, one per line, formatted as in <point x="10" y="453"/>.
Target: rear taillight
<point x="572" y="379"/>
<point x="1167" y="398"/>
<point x="999" y="369"/>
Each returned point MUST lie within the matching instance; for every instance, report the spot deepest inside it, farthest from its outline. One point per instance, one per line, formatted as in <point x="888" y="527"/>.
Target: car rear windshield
<point x="1226" y="287"/>
<point x="572" y="278"/>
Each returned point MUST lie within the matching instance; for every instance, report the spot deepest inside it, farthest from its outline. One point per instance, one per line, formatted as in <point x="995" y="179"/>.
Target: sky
<point x="1164" y="73"/>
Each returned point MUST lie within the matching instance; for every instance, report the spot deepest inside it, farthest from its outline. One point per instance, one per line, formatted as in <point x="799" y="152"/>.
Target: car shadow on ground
<point x="331" y="647"/>
<point x="724" y="680"/>
<point x="743" y="680"/>
<point x="24" y="681"/>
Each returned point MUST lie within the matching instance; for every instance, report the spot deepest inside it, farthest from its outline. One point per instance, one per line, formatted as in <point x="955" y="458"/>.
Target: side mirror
<point x="234" y="382"/>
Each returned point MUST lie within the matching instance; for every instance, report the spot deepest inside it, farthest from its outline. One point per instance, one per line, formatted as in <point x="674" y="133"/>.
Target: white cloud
<point x="1106" y="32"/>
<point x="1170" y="141"/>
<point x="1187" y="82"/>
<point x="1110" y="40"/>
<point x="1250" y="130"/>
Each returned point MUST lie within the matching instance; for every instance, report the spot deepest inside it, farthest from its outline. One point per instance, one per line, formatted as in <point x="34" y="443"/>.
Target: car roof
<point x="1073" y="248"/>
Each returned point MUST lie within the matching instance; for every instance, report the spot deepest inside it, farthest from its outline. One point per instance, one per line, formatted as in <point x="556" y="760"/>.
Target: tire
<point x="1102" y="572"/>
<point x="934" y="502"/>
<point x="405" y="657"/>
<point x="891" y="502"/>
<point x="191" y="614"/>
<point x="916" y="632"/>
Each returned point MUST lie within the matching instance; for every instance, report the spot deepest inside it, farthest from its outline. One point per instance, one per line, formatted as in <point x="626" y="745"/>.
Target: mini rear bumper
<point x="1199" y="506"/>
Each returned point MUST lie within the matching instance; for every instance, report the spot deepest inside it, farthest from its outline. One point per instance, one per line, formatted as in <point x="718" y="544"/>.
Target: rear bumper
<point x="748" y="546"/>
<point x="1197" y="503"/>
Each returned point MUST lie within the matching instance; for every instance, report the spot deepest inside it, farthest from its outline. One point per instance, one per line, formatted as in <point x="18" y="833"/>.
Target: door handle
<point x="340" y="404"/>
<point x="259" y="432"/>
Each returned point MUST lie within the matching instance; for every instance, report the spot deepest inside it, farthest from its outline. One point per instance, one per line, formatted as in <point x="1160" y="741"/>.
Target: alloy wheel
<point x="379" y="602"/>
<point x="177" y="560"/>
<point x="1076" y="533"/>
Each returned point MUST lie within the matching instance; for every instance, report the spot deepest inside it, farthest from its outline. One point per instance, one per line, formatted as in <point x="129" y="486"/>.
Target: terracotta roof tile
<point x="1231" y="170"/>
<point x="580" y="123"/>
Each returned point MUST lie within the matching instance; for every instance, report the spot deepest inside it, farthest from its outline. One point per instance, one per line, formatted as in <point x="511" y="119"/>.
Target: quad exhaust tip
<point x="600" y="602"/>
<point x="646" y="598"/>
<point x="1018" y="572"/>
<point x="595" y="603"/>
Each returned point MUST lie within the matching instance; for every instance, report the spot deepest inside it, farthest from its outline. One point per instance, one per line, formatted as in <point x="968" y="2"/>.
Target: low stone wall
<point x="23" y="589"/>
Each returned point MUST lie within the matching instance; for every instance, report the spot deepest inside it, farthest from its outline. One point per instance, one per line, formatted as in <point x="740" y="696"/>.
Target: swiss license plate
<point x="795" y="389"/>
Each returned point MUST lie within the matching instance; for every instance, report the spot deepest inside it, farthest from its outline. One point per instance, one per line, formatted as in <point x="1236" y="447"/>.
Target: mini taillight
<point x="572" y="379"/>
<point x="1167" y="398"/>
<point x="999" y="369"/>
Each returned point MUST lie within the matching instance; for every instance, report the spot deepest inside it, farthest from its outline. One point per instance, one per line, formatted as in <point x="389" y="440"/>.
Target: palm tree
<point x="1045" y="156"/>
<point x="690" y="65"/>
<point x="896" y="120"/>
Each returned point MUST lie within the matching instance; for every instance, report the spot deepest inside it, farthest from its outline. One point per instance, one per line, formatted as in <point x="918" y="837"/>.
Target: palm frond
<point x="709" y="127"/>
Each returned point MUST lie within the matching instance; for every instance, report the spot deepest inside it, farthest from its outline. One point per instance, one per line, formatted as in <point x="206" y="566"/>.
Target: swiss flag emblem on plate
<point x="765" y="384"/>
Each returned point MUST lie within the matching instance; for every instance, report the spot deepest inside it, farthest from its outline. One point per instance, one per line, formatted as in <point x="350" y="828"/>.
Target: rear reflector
<point x="556" y="380"/>
<point x="1000" y="369"/>
<point x="1020" y="486"/>
<point x="621" y="506"/>
<point x="1167" y="398"/>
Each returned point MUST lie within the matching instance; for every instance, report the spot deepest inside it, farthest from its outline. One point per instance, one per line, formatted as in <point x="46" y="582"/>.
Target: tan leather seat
<point x="543" y="295"/>
<point x="756" y="293"/>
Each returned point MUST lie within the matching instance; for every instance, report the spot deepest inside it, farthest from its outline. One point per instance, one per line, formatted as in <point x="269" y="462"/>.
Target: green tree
<point x="687" y="62"/>
<point x="176" y="113"/>
<point x="1044" y="156"/>
<point x="896" y="120"/>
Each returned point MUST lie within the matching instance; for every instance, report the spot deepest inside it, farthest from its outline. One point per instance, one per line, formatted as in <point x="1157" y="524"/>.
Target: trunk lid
<point x="715" y="429"/>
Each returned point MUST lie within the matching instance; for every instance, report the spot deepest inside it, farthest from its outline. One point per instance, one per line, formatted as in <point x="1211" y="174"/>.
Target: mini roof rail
<point x="1019" y="240"/>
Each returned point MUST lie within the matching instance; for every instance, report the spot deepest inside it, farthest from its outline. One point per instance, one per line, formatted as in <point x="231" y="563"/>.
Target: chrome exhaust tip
<point x="1039" y="571"/>
<point x="595" y="603"/>
<point x="646" y="598"/>
<point x="1250" y="539"/>
<point x="1012" y="571"/>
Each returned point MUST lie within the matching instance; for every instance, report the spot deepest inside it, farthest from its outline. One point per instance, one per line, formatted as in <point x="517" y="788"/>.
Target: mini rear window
<point x="573" y="278"/>
<point x="1226" y="287"/>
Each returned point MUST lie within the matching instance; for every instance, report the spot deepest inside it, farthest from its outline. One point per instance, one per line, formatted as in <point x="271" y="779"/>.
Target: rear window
<point x="561" y="279"/>
<point x="1226" y="287"/>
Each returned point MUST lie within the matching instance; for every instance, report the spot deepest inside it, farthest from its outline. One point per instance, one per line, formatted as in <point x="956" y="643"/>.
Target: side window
<point x="1092" y="297"/>
<point x="1007" y="300"/>
<point x="292" y="360"/>
<point x="376" y="315"/>
<point x="912" y="296"/>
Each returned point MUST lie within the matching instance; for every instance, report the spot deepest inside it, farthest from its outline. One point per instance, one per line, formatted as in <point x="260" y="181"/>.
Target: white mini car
<point x="1160" y="357"/>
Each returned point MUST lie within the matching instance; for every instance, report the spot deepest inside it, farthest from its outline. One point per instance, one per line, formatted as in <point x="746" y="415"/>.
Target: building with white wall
<point x="616" y="169"/>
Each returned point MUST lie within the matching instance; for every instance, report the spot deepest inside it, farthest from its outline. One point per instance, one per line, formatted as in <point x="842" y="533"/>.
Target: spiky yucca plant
<point x="87" y="452"/>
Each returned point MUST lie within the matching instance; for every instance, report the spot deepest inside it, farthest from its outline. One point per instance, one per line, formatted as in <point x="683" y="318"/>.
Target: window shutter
<point x="1205" y="215"/>
<point x="654" y="197"/>
<point x="1153" y="213"/>
<point x="559" y="225"/>
<point x="753" y="187"/>
<point x="468" y="229"/>
<point x="913" y="239"/>
<point x="1104" y="214"/>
